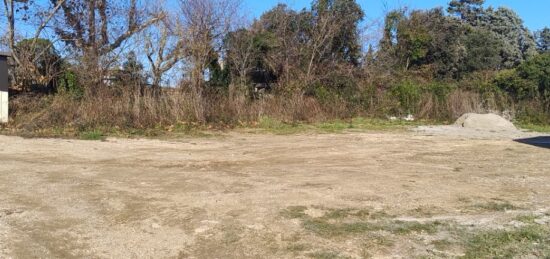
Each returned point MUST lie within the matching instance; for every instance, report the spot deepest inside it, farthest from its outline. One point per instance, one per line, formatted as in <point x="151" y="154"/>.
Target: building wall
<point x="3" y="90"/>
<point x="3" y="107"/>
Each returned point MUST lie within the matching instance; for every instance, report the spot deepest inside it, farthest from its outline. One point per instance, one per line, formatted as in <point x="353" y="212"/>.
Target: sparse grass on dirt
<point x="345" y="213"/>
<point x="92" y="135"/>
<point x="183" y="129"/>
<point x="274" y="126"/>
<point x="263" y="125"/>
<point x="294" y="212"/>
<point x="528" y="219"/>
<point x="535" y="127"/>
<point x="531" y="240"/>
<point x="179" y="130"/>
<point x="347" y="224"/>
<point x="342" y="222"/>
<point x="495" y="206"/>
<point x="426" y="211"/>
<point x="442" y="244"/>
<point x="327" y="255"/>
<point x="297" y="247"/>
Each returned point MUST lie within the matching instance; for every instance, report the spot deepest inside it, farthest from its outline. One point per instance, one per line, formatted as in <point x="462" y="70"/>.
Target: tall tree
<point x="163" y="49"/>
<point x="467" y="10"/>
<point x="422" y="39"/>
<point x="543" y="40"/>
<point x="347" y="15"/>
<point x="518" y="41"/>
<point x="95" y="28"/>
<point x="203" y="24"/>
<point x="25" y="59"/>
<point x="42" y="62"/>
<point x="483" y="51"/>
<point x="507" y="26"/>
<point x="280" y="38"/>
<point x="243" y="53"/>
<point x="133" y="72"/>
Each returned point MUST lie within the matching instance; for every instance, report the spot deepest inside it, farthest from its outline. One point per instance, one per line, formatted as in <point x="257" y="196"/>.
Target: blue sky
<point x="535" y="13"/>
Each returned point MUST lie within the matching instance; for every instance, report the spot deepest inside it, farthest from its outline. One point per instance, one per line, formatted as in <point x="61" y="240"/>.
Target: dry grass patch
<point x="495" y="206"/>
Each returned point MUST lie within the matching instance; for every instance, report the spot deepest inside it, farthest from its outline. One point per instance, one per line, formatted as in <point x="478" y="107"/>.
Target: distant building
<point x="121" y="76"/>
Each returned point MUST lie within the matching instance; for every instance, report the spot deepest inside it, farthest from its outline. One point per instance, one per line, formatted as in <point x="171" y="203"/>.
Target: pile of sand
<point x="488" y="122"/>
<point x="477" y="126"/>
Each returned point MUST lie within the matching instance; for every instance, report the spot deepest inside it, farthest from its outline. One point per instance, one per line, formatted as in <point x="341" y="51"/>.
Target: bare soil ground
<point x="350" y="195"/>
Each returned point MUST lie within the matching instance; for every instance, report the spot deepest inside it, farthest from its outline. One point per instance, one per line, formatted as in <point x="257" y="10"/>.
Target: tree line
<point x="429" y="63"/>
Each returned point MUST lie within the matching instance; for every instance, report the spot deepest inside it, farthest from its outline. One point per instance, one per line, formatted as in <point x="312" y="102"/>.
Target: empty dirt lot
<point x="350" y="195"/>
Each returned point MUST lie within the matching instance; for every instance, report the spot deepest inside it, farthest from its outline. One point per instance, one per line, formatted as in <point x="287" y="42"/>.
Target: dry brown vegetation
<point x="128" y="110"/>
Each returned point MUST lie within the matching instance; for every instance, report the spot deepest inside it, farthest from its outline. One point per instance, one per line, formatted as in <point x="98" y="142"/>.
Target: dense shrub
<point x="68" y="84"/>
<point x="537" y="71"/>
<point x="511" y="82"/>
<point x="408" y="94"/>
<point x="529" y="83"/>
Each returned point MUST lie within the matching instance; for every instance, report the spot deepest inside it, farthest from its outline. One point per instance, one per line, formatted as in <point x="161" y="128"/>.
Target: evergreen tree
<point x="518" y="42"/>
<point x="483" y="51"/>
<point x="543" y="40"/>
<point x="133" y="71"/>
<point x="467" y="10"/>
<point x="132" y="65"/>
<point x="346" y="43"/>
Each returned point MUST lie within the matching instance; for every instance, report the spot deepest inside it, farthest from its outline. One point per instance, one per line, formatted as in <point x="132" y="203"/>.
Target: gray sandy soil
<point x="258" y="196"/>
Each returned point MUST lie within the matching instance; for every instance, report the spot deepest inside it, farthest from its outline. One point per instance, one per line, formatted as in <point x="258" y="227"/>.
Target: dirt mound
<point x="477" y="126"/>
<point x="488" y="122"/>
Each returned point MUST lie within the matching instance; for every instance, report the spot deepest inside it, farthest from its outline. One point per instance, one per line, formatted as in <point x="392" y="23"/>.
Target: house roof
<point x="5" y="54"/>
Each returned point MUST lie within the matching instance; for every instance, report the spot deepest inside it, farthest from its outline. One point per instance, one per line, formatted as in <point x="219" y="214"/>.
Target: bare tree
<point x="163" y="50"/>
<point x="241" y="53"/>
<point x="95" y="28"/>
<point x="321" y="36"/>
<point x="203" y="24"/>
<point x="286" y="25"/>
<point x="26" y="58"/>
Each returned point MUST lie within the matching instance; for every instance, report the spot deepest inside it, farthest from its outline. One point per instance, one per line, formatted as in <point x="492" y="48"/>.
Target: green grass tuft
<point x="528" y="219"/>
<point x="92" y="135"/>
<point x="297" y="247"/>
<point x="442" y="244"/>
<point x="326" y="255"/>
<point x="535" y="127"/>
<point x="294" y="212"/>
<point x="342" y="222"/>
<point x="279" y="127"/>
<point x="327" y="229"/>
<point x="530" y="241"/>
<point x="403" y="228"/>
<point x="496" y="206"/>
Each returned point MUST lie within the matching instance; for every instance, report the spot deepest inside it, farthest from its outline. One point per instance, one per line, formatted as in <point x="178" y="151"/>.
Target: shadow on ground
<point x="543" y="142"/>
